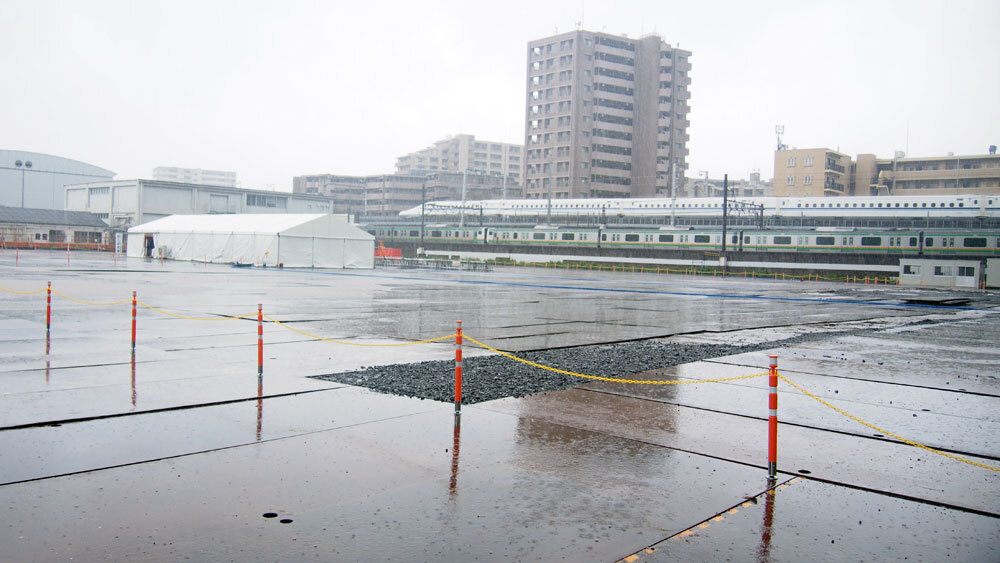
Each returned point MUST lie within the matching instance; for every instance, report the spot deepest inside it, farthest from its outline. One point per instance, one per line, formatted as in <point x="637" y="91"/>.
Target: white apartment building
<point x="195" y="176"/>
<point x="464" y="153"/>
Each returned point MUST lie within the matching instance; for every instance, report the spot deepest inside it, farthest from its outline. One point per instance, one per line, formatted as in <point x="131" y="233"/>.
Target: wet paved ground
<point x="182" y="455"/>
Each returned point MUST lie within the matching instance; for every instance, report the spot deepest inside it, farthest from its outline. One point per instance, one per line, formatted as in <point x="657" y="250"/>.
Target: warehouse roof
<point x="50" y="217"/>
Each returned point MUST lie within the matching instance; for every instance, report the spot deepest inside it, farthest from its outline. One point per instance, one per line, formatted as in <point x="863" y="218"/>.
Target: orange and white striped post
<point x="260" y="344"/>
<point x="772" y="419"/>
<point x="133" y="324"/>
<point x="48" y="307"/>
<point x="458" y="368"/>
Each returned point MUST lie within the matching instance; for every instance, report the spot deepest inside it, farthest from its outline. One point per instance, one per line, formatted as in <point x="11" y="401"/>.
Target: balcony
<point x="834" y="167"/>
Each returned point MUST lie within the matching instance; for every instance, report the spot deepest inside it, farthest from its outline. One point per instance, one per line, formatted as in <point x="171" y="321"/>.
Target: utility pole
<point x="725" y="215"/>
<point x="673" y="194"/>
<point x="423" y="202"/>
<point x="461" y="220"/>
<point x="552" y="169"/>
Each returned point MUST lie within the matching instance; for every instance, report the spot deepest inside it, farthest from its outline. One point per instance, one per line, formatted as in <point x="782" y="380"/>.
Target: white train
<point x="883" y="206"/>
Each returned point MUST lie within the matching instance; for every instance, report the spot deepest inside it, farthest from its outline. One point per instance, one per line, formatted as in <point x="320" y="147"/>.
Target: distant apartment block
<point x="939" y="175"/>
<point x="606" y="116"/>
<point x="823" y="172"/>
<point x="388" y="194"/>
<point x="812" y="172"/>
<point x="460" y="153"/>
<point x="195" y="176"/>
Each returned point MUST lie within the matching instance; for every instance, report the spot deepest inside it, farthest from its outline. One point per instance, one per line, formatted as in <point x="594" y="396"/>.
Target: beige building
<point x="811" y="172"/>
<point x="940" y="175"/>
<point x="605" y="116"/>
<point x="824" y="172"/>
<point x="464" y="153"/>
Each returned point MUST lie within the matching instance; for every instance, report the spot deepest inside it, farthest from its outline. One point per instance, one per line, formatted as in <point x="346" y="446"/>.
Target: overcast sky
<point x="272" y="90"/>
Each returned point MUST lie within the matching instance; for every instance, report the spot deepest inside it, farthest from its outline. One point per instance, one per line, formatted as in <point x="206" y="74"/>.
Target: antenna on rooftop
<point x="779" y="130"/>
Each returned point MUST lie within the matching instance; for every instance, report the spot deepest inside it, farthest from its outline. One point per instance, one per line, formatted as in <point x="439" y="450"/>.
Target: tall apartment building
<point x="463" y="153"/>
<point x="195" y="176"/>
<point x="824" y="172"/>
<point x="606" y="116"/>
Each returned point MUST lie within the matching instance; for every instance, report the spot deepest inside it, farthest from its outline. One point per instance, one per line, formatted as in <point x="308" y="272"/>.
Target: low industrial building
<point x="49" y="228"/>
<point x="300" y="240"/>
<point x="127" y="203"/>
<point x="940" y="272"/>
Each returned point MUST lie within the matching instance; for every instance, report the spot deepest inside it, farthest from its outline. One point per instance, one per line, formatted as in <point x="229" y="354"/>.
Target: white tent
<point x="295" y="240"/>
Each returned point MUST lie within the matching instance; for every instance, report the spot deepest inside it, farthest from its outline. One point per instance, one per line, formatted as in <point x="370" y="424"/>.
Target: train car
<point x="912" y="207"/>
<point x="819" y="240"/>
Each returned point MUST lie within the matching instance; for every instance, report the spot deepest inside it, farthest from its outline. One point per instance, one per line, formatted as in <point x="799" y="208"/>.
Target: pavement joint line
<point x="210" y="450"/>
<point x="900" y="384"/>
<point x="876" y="303"/>
<point x="785" y="422"/>
<point x="745" y="503"/>
<point x="162" y="409"/>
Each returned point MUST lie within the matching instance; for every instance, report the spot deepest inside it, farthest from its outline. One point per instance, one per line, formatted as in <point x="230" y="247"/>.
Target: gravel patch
<point x="485" y="378"/>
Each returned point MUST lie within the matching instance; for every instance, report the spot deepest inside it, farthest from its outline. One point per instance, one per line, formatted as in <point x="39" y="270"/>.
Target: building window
<point x="255" y="200"/>
<point x="809" y="180"/>
<point x="791" y="161"/>
<point x="790" y="181"/>
<point x="808" y="161"/>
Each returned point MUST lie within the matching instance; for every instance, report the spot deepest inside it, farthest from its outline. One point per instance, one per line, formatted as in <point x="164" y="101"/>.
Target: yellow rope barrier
<point x="310" y="335"/>
<point x="15" y="292"/>
<point x="612" y="379"/>
<point x="176" y="316"/>
<point x="82" y="302"/>
<point x="886" y="432"/>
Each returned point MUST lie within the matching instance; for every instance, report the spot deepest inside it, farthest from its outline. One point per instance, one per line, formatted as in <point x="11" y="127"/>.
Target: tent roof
<point x="255" y="223"/>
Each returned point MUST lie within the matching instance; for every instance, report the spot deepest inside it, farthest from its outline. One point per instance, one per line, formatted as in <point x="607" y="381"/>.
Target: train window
<point x="569" y="236"/>
<point x="929" y="241"/>
<point x="975" y="242"/>
<point x="746" y="240"/>
<point x="951" y="204"/>
<point x="414" y="233"/>
<point x="913" y="241"/>
<point x="862" y="205"/>
<point x="552" y="236"/>
<point x="783" y="240"/>
<point x="666" y="238"/>
<point x="855" y="205"/>
<point x="906" y="205"/>
<point x="897" y="205"/>
<point x="923" y="204"/>
<point x="701" y="238"/>
<point x="435" y="233"/>
<point x="871" y="241"/>
<point x="960" y="204"/>
<point x="880" y="205"/>
<point x="933" y="205"/>
<point x="631" y="238"/>
<point x="538" y="236"/>
<point x="736" y="239"/>
<point x="604" y="237"/>
<point x="825" y="241"/>
<point x="951" y="242"/>
<point x="838" y="205"/>
<point x="966" y="271"/>
<point x="515" y="236"/>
